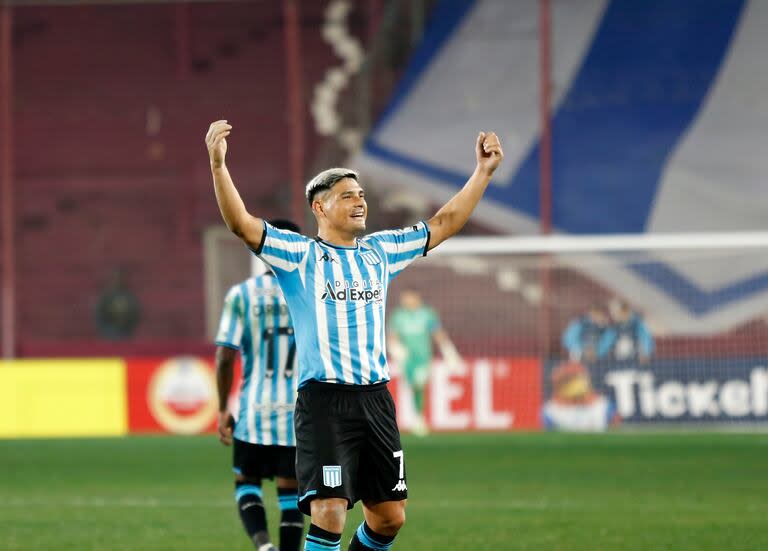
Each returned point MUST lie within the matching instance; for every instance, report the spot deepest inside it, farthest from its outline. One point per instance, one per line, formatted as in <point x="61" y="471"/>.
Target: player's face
<point x="344" y="206"/>
<point x="410" y="300"/>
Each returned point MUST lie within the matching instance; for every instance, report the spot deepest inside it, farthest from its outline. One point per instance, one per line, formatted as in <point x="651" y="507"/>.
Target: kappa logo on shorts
<point x="400" y="486"/>
<point x="332" y="476"/>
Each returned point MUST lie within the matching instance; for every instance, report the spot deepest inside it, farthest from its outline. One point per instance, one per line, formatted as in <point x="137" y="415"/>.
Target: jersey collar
<point x="322" y="241"/>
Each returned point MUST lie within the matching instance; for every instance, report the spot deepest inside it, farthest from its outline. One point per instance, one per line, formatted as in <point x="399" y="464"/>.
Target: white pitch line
<point x="156" y="503"/>
<point x="491" y="504"/>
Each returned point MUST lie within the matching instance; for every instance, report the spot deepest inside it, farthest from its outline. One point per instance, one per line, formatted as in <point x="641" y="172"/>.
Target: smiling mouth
<point x="358" y="215"/>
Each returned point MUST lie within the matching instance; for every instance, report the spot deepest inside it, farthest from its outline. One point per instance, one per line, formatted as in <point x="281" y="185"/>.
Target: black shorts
<point x="348" y="444"/>
<point x="255" y="461"/>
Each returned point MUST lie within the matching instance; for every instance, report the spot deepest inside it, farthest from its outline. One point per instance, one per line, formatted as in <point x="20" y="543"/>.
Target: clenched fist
<point x="488" y="151"/>
<point x="216" y="142"/>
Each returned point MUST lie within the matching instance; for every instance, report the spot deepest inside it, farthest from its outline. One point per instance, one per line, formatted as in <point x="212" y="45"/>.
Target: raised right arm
<point x="248" y="228"/>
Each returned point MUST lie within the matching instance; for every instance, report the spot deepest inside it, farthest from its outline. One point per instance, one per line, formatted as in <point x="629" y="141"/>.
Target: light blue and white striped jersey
<point x="256" y="321"/>
<point x="337" y="296"/>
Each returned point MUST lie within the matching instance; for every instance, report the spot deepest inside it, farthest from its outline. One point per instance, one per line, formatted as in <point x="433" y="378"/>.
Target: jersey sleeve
<point x="232" y="320"/>
<point x="434" y="321"/>
<point x="401" y="247"/>
<point x="281" y="249"/>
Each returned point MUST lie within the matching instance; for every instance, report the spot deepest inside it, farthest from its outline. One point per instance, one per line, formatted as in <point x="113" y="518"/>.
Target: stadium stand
<point x="109" y="125"/>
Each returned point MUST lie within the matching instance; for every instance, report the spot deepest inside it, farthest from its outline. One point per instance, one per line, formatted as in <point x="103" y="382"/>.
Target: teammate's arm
<point x="248" y="228"/>
<point x="455" y="213"/>
<point x="225" y="373"/>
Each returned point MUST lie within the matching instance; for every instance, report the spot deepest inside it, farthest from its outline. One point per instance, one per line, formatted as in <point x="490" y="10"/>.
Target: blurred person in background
<point x="118" y="311"/>
<point x="348" y="442"/>
<point x="574" y="405"/>
<point x="256" y="322"/>
<point x="587" y="338"/>
<point x="412" y="326"/>
<point x="628" y="335"/>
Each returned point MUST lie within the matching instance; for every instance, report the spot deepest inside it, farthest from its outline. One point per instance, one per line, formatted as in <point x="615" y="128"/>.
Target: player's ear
<point x="317" y="208"/>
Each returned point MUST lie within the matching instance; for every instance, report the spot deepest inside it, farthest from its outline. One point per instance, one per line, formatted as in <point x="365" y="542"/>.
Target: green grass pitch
<point x="551" y="492"/>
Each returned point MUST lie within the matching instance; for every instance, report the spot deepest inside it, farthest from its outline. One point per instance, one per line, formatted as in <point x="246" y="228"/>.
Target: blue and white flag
<point x="660" y="113"/>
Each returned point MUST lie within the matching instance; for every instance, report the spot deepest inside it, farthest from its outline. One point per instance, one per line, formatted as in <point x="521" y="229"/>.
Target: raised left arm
<point x="454" y="214"/>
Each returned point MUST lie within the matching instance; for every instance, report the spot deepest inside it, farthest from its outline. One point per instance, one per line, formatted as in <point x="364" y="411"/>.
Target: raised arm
<point x="238" y="220"/>
<point x="455" y="213"/>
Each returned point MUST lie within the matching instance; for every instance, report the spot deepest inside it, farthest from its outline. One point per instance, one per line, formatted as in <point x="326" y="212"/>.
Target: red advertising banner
<point x="175" y="395"/>
<point x="485" y="394"/>
<point x="178" y="395"/>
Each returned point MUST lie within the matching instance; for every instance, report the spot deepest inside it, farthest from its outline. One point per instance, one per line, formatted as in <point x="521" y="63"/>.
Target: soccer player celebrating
<point x="256" y="321"/>
<point x="412" y="327"/>
<point x="347" y="441"/>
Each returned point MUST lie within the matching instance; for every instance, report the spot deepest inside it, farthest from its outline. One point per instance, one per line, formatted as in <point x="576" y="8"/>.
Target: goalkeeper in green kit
<point x="412" y="326"/>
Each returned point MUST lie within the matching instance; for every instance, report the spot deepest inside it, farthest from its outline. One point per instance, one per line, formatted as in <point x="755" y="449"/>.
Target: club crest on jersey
<point x="332" y="476"/>
<point x="370" y="257"/>
<point x="365" y="291"/>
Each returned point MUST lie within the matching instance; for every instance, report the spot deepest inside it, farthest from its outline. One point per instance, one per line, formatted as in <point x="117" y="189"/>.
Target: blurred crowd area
<point x="113" y="195"/>
<point x="111" y="180"/>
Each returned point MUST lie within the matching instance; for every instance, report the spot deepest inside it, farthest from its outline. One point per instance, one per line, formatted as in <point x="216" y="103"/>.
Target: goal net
<point x="580" y="333"/>
<point x="590" y="333"/>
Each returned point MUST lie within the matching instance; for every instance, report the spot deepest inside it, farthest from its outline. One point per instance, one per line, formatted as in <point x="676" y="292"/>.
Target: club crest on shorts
<point x="332" y="476"/>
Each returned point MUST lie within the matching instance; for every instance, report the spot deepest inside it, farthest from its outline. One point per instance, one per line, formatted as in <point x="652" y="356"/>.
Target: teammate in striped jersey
<point x="348" y="444"/>
<point x="256" y="322"/>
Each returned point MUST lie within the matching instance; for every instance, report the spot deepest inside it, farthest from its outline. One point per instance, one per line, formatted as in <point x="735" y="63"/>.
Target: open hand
<point x="488" y="151"/>
<point x="216" y="142"/>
